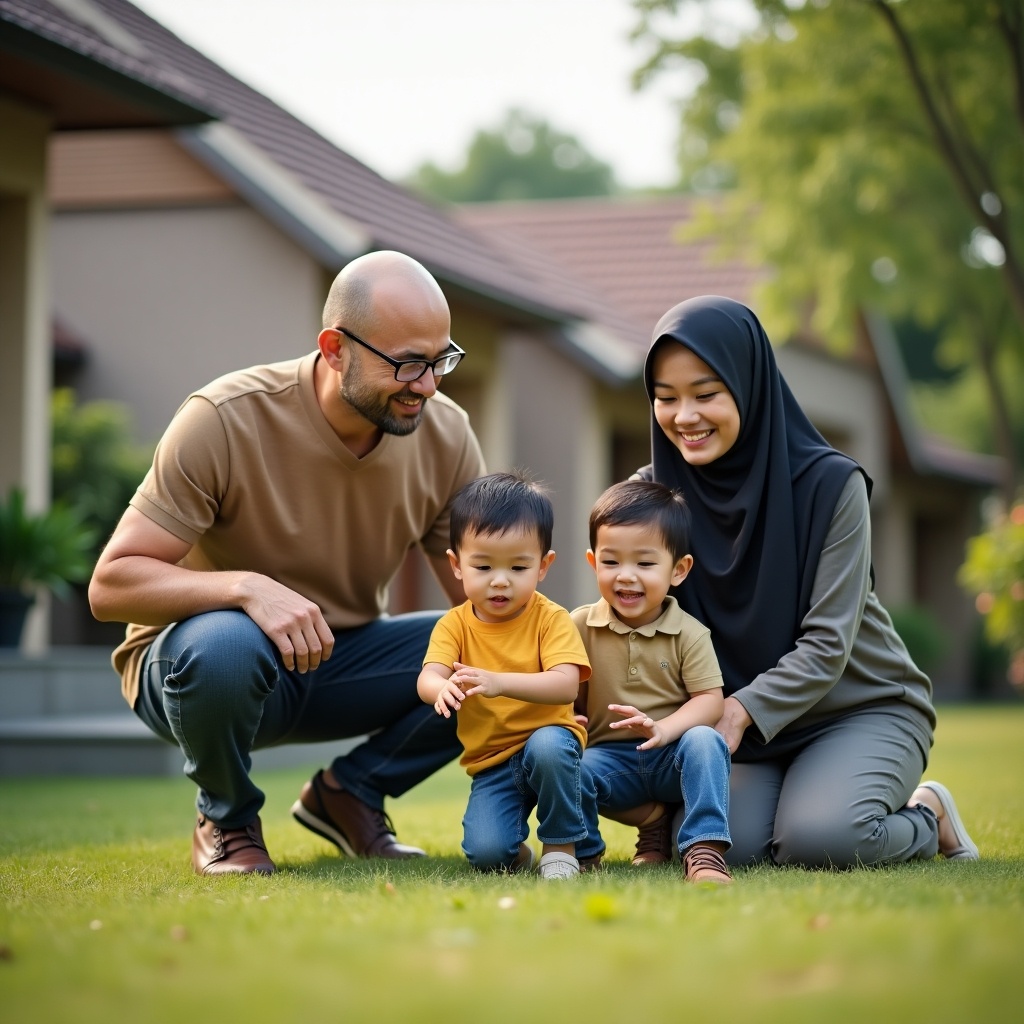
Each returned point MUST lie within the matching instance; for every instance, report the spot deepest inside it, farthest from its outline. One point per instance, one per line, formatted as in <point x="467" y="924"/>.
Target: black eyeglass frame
<point x="455" y="351"/>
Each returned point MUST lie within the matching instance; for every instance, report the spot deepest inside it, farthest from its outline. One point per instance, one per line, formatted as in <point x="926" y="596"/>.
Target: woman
<point x="827" y="717"/>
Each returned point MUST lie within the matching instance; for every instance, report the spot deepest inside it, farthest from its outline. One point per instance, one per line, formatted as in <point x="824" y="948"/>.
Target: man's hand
<point x="295" y="625"/>
<point x="733" y="723"/>
<point x="475" y="681"/>
<point x="639" y="724"/>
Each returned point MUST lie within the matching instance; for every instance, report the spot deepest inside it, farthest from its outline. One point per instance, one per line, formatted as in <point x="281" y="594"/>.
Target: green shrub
<point x="921" y="632"/>
<point x="994" y="572"/>
<point x="96" y="465"/>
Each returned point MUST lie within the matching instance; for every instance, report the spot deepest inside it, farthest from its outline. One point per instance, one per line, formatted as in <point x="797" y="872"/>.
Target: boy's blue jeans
<point x="215" y="685"/>
<point x="694" y="770"/>
<point x="546" y="773"/>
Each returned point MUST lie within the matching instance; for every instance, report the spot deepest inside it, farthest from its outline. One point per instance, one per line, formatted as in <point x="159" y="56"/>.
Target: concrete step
<point x="119" y="744"/>
<point x="62" y="713"/>
<point x="66" y="681"/>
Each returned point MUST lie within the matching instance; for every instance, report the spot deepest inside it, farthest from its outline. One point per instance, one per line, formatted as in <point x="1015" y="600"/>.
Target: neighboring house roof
<point x="635" y="254"/>
<point x="631" y="251"/>
<point x="87" y="70"/>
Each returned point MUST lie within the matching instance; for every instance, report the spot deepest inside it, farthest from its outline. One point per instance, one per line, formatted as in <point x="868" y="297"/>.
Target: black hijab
<point x="762" y="510"/>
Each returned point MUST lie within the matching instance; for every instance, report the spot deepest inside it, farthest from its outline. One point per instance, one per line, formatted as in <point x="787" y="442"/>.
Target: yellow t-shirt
<point x="492" y="729"/>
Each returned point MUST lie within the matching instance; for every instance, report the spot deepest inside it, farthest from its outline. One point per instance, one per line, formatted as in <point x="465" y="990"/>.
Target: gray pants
<point x="833" y="794"/>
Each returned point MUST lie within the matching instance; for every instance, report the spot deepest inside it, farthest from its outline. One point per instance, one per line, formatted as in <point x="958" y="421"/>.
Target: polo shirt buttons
<point x="632" y="636"/>
<point x="633" y="671"/>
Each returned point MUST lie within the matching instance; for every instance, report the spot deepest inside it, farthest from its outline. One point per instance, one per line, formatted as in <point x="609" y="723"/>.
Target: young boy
<point x="656" y="680"/>
<point x="509" y="663"/>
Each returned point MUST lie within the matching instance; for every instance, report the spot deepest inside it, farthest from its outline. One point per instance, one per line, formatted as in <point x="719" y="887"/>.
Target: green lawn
<point x="101" y="918"/>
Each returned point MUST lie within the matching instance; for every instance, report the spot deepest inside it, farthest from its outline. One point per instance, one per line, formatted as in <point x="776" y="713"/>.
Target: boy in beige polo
<point x="656" y="688"/>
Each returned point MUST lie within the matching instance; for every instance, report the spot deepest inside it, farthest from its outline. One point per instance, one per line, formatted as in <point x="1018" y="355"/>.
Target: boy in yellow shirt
<point x="656" y="689"/>
<point x="509" y="663"/>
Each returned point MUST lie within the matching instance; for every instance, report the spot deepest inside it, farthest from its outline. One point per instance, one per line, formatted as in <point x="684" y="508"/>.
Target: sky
<point x="399" y="82"/>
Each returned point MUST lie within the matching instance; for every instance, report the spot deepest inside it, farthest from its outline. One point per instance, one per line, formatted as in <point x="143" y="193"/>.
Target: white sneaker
<point x="966" y="848"/>
<point x="558" y="865"/>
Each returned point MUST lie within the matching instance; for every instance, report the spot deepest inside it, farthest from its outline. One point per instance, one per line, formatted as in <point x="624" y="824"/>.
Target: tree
<point x="876" y="148"/>
<point x="523" y="158"/>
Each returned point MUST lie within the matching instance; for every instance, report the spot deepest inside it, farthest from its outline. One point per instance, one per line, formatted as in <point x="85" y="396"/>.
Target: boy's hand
<point x="449" y="697"/>
<point x="476" y="680"/>
<point x="638" y="723"/>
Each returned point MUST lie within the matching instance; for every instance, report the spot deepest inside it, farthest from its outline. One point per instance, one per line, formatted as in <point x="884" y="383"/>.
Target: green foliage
<point x="101" y="919"/>
<point x="50" y="549"/>
<point x="842" y="184"/>
<point x="96" y="467"/>
<point x="921" y="632"/>
<point x="994" y="571"/>
<point x="523" y="158"/>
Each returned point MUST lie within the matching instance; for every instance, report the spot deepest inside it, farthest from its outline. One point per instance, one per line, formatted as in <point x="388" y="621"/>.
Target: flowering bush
<point x="994" y="571"/>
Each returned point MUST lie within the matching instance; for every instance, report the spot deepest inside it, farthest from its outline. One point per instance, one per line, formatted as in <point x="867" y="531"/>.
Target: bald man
<point x="253" y="562"/>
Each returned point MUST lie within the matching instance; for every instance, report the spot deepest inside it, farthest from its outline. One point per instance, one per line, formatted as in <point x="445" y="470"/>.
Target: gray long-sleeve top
<point x="848" y="654"/>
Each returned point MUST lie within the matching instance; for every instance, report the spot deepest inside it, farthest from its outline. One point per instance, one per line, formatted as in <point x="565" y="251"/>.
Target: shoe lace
<point x="231" y="840"/>
<point x="703" y="858"/>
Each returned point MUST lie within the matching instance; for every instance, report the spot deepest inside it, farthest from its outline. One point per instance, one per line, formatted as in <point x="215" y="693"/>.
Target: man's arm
<point x="137" y="579"/>
<point x="442" y="570"/>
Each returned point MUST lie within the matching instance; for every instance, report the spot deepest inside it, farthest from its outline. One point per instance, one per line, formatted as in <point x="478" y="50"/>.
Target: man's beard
<point x="373" y="406"/>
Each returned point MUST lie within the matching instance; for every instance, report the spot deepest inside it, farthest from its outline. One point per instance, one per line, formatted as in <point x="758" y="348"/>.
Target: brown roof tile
<point x="629" y="250"/>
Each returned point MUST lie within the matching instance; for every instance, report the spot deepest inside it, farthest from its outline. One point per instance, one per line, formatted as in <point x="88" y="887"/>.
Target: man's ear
<point x="682" y="569"/>
<point x="330" y="343"/>
<point x="545" y="564"/>
<point x="454" y="561"/>
<point x="592" y="559"/>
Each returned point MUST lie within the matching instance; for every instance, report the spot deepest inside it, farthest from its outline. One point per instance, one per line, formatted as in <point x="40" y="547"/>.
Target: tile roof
<point x="40" y="34"/>
<point x="392" y="217"/>
<point x="630" y="251"/>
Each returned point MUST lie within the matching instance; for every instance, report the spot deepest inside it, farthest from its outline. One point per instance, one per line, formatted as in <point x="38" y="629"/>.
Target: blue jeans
<point x="216" y="686"/>
<point x="546" y="774"/>
<point x="694" y="770"/>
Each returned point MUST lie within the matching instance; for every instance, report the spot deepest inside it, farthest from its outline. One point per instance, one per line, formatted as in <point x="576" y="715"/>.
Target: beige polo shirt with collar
<point x="656" y="668"/>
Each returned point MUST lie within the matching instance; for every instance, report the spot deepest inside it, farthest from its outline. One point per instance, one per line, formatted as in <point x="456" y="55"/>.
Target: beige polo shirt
<point x="656" y="668"/>
<point x="250" y="473"/>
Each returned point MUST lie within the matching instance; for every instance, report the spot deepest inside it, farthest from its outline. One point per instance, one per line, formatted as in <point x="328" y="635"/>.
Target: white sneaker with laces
<point x="558" y="866"/>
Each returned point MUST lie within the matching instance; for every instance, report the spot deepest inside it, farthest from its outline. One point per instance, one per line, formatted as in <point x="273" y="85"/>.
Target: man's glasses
<point x="407" y="370"/>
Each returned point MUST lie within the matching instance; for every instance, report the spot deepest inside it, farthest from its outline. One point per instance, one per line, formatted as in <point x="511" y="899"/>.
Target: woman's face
<point x="693" y="406"/>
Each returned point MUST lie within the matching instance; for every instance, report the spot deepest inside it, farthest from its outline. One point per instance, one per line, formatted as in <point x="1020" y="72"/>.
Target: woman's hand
<point x="733" y="723"/>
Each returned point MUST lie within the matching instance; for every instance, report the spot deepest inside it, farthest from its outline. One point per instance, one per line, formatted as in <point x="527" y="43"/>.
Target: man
<point x="254" y="559"/>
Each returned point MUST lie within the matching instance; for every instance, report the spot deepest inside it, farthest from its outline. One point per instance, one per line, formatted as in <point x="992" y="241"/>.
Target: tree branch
<point x="971" y="191"/>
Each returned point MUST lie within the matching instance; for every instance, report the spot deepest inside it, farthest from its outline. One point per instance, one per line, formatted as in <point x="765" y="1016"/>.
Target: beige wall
<point x="170" y="299"/>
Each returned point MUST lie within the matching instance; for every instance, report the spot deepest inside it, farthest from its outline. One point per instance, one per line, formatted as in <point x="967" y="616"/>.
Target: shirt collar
<point x="670" y="621"/>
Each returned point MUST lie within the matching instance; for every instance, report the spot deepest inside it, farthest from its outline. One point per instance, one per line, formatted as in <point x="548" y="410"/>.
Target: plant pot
<point x="14" y="607"/>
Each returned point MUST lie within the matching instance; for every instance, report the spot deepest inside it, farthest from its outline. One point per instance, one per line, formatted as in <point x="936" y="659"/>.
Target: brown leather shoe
<point x="357" y="829"/>
<point x="703" y="862"/>
<point x="230" y="851"/>
<point x="654" y="842"/>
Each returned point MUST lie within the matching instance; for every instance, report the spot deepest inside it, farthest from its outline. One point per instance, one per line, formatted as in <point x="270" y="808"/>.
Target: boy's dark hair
<point x="644" y="503"/>
<point x="500" y="502"/>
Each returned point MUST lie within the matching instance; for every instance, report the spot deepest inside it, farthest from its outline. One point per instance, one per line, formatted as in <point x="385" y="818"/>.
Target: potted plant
<point x="49" y="550"/>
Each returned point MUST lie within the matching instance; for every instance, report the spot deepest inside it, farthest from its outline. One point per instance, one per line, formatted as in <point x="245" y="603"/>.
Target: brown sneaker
<point x="703" y="862"/>
<point x="654" y="842"/>
<point x="588" y="864"/>
<point x="230" y="851"/>
<point x="357" y="829"/>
